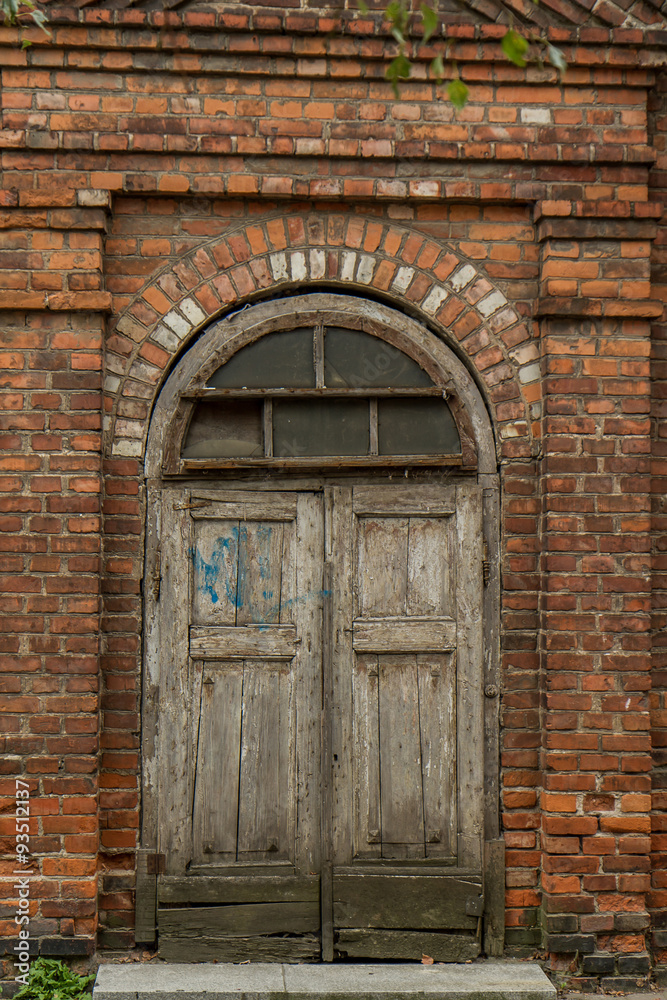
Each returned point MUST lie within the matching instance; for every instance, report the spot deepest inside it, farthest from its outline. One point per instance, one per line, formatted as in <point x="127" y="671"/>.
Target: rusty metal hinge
<point x="157" y="575"/>
<point x="156" y="864"/>
<point x="486" y="565"/>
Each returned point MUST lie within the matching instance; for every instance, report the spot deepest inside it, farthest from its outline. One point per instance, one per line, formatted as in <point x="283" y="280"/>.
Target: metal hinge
<point x="475" y="906"/>
<point x="156" y="864"/>
<point x="157" y="575"/>
<point x="486" y="565"/>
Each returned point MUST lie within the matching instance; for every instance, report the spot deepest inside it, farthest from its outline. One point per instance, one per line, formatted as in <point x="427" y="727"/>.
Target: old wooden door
<point x="320" y="723"/>
<point x="238" y="822"/>
<point x="405" y="700"/>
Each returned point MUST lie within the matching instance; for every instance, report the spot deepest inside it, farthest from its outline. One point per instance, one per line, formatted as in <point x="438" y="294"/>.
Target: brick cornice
<point x="246" y="18"/>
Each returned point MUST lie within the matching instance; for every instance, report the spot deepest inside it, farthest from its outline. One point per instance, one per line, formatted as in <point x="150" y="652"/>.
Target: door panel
<point x="241" y="723"/>
<point x="244" y="577"/>
<point x="408" y="635"/>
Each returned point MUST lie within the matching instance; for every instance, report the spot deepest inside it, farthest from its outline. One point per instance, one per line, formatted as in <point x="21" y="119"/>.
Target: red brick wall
<point x="149" y="159"/>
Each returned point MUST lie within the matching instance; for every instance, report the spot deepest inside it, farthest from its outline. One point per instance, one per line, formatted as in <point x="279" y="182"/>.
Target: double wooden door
<point x="317" y="783"/>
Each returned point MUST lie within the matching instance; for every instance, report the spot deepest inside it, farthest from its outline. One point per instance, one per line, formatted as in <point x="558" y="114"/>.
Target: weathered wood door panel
<point x="407" y="696"/>
<point x="240" y="620"/>
<point x="242" y="718"/>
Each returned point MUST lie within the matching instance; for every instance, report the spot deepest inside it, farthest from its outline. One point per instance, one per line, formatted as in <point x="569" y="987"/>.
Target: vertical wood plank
<point x="326" y="893"/>
<point x="383" y="566"/>
<point x="470" y="675"/>
<point x="288" y="574"/>
<point x="437" y="716"/>
<point x="494" y="896"/>
<point x="176" y="716"/>
<point x="400" y="756"/>
<point x="150" y="694"/>
<point x="215" y="812"/>
<point x="367" y="757"/>
<point x="259" y="572"/>
<point x="214" y="572"/>
<point x="308" y="678"/>
<point x="259" y="775"/>
<point x="340" y="533"/>
<point x="429" y="565"/>
<point x="145" y="923"/>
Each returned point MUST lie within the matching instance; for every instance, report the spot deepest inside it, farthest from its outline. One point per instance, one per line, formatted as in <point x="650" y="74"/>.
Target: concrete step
<point x="479" y="981"/>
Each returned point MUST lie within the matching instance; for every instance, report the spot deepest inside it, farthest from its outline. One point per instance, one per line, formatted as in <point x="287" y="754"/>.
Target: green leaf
<point x="515" y="47"/>
<point x="556" y="58"/>
<point x="363" y="7"/>
<point x="438" y="69"/>
<point x="398" y="69"/>
<point x="398" y="15"/>
<point x="430" y="21"/>
<point x="458" y="93"/>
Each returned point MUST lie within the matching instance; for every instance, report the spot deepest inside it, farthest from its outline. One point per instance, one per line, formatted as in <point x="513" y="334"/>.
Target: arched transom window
<point x="318" y="386"/>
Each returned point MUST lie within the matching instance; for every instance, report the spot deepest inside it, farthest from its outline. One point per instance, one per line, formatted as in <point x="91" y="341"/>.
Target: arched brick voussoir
<point x="360" y="255"/>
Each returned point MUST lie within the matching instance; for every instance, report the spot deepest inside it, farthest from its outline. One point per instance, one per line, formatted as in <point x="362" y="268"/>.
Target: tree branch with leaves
<point x="520" y="47"/>
<point x="22" y="12"/>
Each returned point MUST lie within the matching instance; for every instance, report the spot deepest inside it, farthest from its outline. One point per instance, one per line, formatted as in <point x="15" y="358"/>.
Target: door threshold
<point x="484" y="980"/>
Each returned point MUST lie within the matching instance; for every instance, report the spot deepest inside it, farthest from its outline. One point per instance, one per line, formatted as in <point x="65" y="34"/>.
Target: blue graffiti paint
<point x="212" y="568"/>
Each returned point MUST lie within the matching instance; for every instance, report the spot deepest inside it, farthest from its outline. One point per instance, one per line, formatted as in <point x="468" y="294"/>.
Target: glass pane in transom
<point x="225" y="430"/>
<point x="320" y="427"/>
<point x="357" y="360"/>
<point x="278" y="361"/>
<point x="416" y="427"/>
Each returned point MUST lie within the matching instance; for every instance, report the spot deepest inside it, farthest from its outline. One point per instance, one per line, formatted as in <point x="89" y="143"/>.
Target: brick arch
<point x="276" y="255"/>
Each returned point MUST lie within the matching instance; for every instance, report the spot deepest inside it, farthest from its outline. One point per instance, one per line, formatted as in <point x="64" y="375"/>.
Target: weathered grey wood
<point x="381" y="944"/>
<point x="150" y="687"/>
<point x="327" y="764"/>
<point x="340" y="527"/>
<point x="243" y="505"/>
<point x="263" y="790"/>
<point x="176" y="719"/>
<point x="440" y="868"/>
<point x="214" y="580"/>
<point x="146" y="901"/>
<point x="288" y="594"/>
<point x="383" y="565"/>
<point x="429" y="567"/>
<point x="308" y="668"/>
<point x="275" y="642"/>
<point x="400" y="756"/>
<point x="434" y="902"/>
<point x="437" y="717"/>
<point x="255" y="949"/>
<point x="238" y="889"/>
<point x="400" y="500"/>
<point x="259" y="572"/>
<point x="470" y="675"/>
<point x="404" y="635"/>
<point x="367" y="757"/>
<point x="494" y="898"/>
<point x="216" y="798"/>
<point x="243" y="920"/>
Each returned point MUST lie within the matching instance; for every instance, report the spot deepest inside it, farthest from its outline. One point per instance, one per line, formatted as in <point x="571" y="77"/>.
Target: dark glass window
<point x="317" y="392"/>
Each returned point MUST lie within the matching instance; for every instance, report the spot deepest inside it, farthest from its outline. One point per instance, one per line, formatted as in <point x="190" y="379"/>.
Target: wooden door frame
<point x="216" y="339"/>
